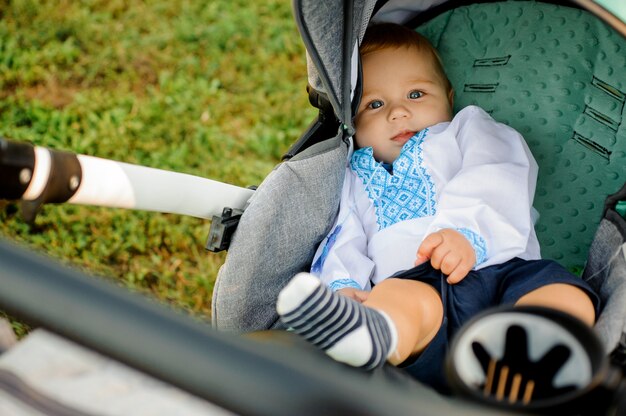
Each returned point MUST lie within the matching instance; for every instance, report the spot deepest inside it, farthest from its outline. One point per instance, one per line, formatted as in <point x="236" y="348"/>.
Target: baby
<point x="434" y="225"/>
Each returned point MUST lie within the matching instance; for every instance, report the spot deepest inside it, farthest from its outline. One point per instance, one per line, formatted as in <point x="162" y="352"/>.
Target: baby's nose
<point x="398" y="111"/>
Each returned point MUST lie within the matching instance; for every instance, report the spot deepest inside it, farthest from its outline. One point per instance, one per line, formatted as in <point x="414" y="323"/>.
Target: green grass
<point x="214" y="89"/>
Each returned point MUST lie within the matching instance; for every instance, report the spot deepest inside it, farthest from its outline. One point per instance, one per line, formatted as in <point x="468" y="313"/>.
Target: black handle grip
<point x="17" y="162"/>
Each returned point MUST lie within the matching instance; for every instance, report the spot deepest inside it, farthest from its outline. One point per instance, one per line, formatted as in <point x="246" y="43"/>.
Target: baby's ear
<point x="451" y="97"/>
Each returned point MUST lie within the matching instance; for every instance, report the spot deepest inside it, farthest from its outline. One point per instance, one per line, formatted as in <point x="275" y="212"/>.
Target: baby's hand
<point x="356" y="294"/>
<point x="448" y="251"/>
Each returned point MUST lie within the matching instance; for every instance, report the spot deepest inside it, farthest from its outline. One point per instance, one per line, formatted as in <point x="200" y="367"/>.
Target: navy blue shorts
<point x="501" y="284"/>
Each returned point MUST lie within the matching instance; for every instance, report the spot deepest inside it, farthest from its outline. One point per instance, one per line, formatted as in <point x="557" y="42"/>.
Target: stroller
<point x="552" y="70"/>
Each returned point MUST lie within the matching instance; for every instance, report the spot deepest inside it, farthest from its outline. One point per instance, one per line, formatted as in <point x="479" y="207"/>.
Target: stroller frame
<point x="27" y="274"/>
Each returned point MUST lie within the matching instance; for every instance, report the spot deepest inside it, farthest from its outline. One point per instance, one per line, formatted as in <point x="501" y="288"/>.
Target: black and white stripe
<point x="326" y="319"/>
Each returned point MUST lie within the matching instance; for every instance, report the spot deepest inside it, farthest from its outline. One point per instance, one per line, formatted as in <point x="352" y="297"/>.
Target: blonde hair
<point x="390" y="35"/>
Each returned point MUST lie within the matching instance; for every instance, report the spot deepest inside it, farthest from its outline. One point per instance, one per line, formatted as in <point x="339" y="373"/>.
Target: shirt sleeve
<point x="341" y="259"/>
<point x="489" y="200"/>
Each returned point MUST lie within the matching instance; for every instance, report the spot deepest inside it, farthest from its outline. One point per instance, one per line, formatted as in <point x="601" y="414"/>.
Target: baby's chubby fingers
<point x="459" y="273"/>
<point x="439" y="255"/>
<point x="448" y="251"/>
<point x="425" y="250"/>
<point x="450" y="263"/>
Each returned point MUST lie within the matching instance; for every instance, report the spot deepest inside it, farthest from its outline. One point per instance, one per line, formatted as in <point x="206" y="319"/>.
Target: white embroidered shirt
<point x="472" y="174"/>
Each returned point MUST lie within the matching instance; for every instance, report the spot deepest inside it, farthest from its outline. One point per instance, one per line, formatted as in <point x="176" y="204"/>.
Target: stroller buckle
<point x="222" y="229"/>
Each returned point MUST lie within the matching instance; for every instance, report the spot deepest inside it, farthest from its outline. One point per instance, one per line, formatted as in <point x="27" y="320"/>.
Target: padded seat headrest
<point x="558" y="76"/>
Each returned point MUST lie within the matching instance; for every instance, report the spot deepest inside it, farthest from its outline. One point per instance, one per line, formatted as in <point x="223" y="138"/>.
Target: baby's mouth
<point x="403" y="137"/>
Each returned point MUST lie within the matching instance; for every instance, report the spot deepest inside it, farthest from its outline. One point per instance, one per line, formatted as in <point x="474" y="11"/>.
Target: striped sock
<point x="348" y="331"/>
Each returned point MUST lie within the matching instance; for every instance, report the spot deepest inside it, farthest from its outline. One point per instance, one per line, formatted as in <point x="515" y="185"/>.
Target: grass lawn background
<point x="214" y="89"/>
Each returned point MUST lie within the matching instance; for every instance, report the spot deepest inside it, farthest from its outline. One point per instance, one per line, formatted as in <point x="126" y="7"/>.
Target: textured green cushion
<point x="558" y="76"/>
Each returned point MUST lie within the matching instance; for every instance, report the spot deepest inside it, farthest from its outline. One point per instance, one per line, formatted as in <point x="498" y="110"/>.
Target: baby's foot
<point x="348" y="331"/>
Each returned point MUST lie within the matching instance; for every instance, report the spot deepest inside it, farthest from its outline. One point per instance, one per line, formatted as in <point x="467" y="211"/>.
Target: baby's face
<point x="402" y="94"/>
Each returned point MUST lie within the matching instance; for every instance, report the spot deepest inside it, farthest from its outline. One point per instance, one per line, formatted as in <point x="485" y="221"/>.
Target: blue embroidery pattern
<point x="316" y="268"/>
<point x="335" y="285"/>
<point x="480" y="247"/>
<point x="407" y="193"/>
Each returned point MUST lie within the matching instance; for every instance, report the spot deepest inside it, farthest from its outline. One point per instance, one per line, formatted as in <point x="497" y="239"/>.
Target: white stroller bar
<point x="40" y="175"/>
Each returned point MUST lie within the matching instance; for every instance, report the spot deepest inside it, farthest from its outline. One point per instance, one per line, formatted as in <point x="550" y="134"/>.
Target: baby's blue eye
<point x="375" y="104"/>
<point x="413" y="95"/>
